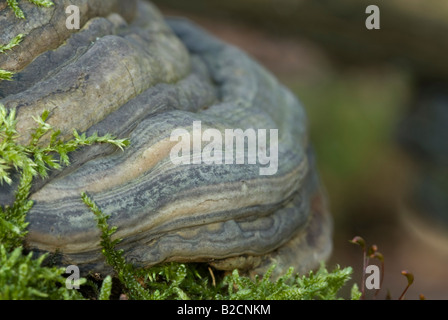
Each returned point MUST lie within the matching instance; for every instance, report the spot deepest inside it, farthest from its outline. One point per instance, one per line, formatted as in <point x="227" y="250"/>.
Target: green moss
<point x="14" y="5"/>
<point x="13" y="43"/>
<point x="7" y="75"/>
<point x="22" y="276"/>
<point x="106" y="289"/>
<point x="114" y="257"/>
<point x="320" y="285"/>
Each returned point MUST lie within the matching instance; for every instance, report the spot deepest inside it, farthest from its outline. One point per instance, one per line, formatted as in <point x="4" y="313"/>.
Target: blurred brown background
<point x="360" y="88"/>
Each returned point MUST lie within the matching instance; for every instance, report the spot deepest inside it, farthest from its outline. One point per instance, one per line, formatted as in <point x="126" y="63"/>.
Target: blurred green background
<point x="356" y="86"/>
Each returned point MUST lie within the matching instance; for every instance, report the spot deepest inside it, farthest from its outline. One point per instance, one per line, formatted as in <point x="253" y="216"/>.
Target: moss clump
<point x="24" y="278"/>
<point x="21" y="276"/>
<point x="14" y="5"/>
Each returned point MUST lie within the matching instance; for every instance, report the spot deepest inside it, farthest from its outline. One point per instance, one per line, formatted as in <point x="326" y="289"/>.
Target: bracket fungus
<point x="132" y="73"/>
